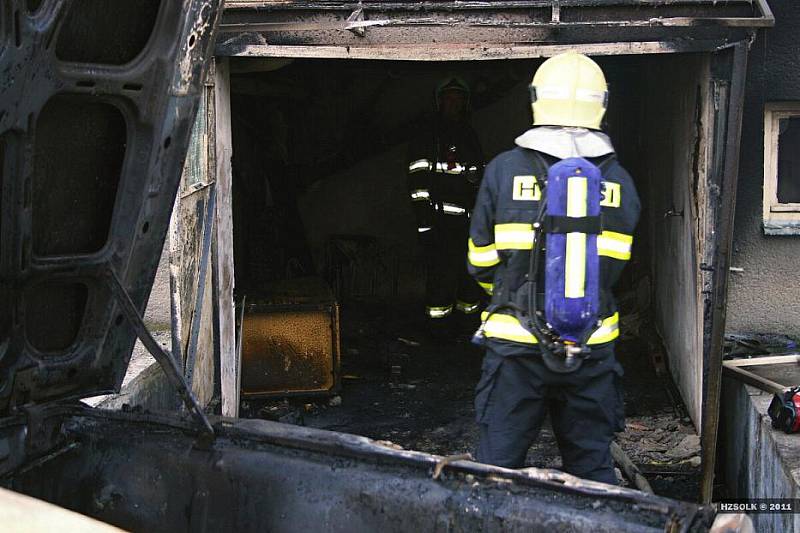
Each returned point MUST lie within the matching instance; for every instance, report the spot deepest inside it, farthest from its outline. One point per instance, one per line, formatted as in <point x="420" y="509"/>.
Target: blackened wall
<point x="765" y="297"/>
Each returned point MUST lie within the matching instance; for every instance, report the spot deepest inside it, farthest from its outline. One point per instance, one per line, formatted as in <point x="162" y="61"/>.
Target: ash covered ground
<point x="411" y="382"/>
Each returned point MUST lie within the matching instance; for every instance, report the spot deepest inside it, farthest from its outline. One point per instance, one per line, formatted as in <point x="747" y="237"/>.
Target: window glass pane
<point x="789" y="160"/>
<point x="195" y="166"/>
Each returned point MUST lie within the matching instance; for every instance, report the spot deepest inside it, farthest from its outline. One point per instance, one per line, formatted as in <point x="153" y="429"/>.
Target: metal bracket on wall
<point x="164" y="359"/>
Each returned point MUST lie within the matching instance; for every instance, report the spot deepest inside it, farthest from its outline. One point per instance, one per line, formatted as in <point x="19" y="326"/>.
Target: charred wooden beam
<point x="750" y="378"/>
<point x="456" y="52"/>
<point x="249" y="26"/>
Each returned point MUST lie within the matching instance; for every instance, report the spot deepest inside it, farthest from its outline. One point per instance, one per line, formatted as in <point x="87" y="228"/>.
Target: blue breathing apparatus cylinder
<point x="572" y="274"/>
<point x="570" y="221"/>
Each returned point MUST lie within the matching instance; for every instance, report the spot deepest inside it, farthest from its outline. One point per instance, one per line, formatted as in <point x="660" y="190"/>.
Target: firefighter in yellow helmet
<point x="569" y="91"/>
<point x="549" y="331"/>
<point x="445" y="164"/>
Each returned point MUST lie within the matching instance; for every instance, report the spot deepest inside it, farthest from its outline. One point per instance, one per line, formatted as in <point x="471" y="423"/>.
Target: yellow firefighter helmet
<point x="569" y="90"/>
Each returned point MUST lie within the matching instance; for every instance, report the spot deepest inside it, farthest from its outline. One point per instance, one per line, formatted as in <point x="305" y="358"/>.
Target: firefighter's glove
<point x="473" y="174"/>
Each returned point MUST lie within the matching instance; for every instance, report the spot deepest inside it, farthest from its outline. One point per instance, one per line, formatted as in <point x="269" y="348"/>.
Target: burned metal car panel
<point x="97" y="100"/>
<point x="146" y="474"/>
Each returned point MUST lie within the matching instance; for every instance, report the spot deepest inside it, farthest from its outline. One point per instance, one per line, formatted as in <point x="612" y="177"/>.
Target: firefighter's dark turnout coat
<point x="443" y="173"/>
<point x="516" y="389"/>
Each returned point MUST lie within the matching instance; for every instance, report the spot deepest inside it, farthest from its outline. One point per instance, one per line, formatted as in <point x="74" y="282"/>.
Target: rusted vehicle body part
<point x="143" y="473"/>
<point x="290" y="340"/>
<point x="97" y="101"/>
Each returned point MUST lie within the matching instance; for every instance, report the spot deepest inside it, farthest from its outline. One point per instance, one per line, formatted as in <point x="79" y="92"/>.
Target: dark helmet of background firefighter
<point x="569" y="90"/>
<point x="452" y="98"/>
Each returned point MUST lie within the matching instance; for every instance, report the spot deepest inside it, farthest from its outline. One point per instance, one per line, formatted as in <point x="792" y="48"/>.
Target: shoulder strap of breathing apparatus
<point x="565" y="231"/>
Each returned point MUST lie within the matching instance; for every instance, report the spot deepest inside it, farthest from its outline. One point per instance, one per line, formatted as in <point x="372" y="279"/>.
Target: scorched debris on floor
<point x="411" y="382"/>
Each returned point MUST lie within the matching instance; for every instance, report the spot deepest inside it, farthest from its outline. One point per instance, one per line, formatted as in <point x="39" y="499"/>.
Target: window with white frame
<point x="782" y="168"/>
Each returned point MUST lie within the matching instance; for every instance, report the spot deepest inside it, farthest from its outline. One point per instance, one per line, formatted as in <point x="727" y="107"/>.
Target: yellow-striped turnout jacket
<point x="501" y="236"/>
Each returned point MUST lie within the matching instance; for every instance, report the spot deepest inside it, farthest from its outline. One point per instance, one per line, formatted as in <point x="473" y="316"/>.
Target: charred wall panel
<point x="96" y="105"/>
<point x="675" y="145"/>
<point x="190" y="220"/>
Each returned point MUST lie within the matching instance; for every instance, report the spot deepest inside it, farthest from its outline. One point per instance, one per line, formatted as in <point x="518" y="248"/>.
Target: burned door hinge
<point x="164" y="359"/>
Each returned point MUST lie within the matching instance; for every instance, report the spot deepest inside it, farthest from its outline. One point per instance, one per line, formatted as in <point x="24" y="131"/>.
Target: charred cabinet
<point x="290" y="340"/>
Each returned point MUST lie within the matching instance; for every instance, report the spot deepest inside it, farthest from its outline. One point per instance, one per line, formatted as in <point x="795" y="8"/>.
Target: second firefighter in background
<point x="444" y="171"/>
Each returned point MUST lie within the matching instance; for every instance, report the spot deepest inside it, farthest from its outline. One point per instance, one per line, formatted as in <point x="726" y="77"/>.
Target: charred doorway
<point x="319" y="192"/>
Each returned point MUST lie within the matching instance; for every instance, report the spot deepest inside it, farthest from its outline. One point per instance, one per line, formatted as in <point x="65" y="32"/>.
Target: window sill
<point x="781" y="227"/>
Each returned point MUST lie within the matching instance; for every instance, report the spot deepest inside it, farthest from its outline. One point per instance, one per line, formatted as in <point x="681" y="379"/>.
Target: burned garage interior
<point x="213" y="309"/>
<point x="322" y="213"/>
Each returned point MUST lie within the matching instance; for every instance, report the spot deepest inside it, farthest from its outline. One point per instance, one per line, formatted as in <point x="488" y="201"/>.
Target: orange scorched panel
<point x="289" y="352"/>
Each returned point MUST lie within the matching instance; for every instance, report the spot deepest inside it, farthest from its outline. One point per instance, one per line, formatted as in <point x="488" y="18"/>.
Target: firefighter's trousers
<point x="516" y="392"/>
<point x="448" y="286"/>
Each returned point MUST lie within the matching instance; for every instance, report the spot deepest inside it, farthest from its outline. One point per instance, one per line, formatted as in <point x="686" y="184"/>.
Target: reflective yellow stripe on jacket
<point x="513" y="236"/>
<point x="482" y="256"/>
<point x="520" y="237"/>
<point x="507" y="327"/>
<point x="616" y="245"/>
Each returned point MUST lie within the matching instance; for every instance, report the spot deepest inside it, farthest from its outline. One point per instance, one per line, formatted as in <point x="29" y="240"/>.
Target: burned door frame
<point x="229" y="361"/>
<point x="190" y="255"/>
<point x="517" y="30"/>
<point x="200" y="261"/>
<point x="729" y="65"/>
